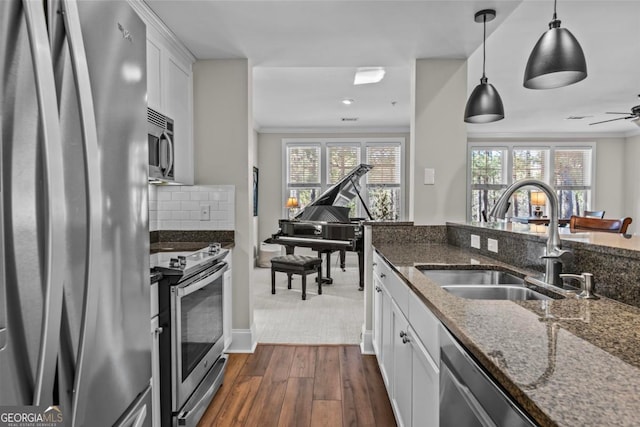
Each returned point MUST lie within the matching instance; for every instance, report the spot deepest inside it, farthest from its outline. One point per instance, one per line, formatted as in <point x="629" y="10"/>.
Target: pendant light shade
<point x="557" y="59"/>
<point x="484" y="105"/>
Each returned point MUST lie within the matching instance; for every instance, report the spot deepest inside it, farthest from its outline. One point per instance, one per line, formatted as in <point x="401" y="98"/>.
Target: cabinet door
<point x="154" y="74"/>
<point x="402" y="372"/>
<point x="178" y="107"/>
<point x="377" y="318"/>
<point x="425" y="386"/>
<point x="386" y="339"/>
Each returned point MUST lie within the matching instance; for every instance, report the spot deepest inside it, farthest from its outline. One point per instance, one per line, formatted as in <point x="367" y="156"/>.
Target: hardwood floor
<point x="301" y="386"/>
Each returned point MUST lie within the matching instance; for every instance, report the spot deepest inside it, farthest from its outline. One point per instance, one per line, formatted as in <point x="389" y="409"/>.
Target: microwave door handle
<point x="170" y="143"/>
<point x="55" y="216"/>
<point x="94" y="205"/>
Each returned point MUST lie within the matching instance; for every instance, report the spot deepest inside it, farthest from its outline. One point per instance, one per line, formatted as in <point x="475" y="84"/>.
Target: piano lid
<point x="338" y="195"/>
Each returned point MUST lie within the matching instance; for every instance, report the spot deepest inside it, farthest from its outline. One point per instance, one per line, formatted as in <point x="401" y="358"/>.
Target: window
<point x="313" y="165"/>
<point x="303" y="173"/>
<point x="567" y="168"/>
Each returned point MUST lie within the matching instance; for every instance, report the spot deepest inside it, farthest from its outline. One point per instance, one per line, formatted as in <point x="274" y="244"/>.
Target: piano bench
<point x="296" y="264"/>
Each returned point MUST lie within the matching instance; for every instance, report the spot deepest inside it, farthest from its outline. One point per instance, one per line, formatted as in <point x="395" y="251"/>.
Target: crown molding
<point x="545" y="135"/>
<point x="337" y="130"/>
<point x="150" y="18"/>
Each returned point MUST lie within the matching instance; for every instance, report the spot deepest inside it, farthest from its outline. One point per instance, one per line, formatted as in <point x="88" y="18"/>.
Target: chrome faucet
<point x="554" y="255"/>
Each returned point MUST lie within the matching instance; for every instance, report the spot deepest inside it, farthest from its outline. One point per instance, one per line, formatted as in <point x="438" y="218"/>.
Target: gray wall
<point x="224" y="147"/>
<point x="631" y="187"/>
<point x="438" y="141"/>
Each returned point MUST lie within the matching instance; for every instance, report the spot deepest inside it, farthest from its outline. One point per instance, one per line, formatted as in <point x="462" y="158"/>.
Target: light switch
<point x="429" y="176"/>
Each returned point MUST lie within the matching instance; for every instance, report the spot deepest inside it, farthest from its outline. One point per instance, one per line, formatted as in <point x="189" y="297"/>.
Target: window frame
<point x="552" y="146"/>
<point x="362" y="143"/>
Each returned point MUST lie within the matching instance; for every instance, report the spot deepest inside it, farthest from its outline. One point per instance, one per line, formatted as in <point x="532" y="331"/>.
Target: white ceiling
<point x="305" y="53"/>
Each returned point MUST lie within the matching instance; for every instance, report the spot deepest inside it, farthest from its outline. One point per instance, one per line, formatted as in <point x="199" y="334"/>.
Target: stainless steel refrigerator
<point x="74" y="271"/>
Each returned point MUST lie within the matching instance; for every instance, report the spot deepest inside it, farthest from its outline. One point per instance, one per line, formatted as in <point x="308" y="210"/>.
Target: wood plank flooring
<point x="301" y="386"/>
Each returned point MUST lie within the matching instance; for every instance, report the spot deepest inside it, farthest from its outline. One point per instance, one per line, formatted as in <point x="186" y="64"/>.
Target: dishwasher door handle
<point x="470" y="399"/>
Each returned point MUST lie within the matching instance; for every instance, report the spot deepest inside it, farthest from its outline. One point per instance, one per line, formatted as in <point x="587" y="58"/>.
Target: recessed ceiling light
<point x="347" y="101"/>
<point x="366" y="75"/>
<point x="349" y="119"/>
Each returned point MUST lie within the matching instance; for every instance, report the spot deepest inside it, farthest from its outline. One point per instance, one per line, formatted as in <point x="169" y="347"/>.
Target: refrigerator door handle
<point x="3" y="292"/>
<point x="55" y="216"/>
<point x="94" y="202"/>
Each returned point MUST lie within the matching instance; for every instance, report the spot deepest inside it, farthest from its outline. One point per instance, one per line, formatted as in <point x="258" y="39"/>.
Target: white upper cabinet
<point x="170" y="88"/>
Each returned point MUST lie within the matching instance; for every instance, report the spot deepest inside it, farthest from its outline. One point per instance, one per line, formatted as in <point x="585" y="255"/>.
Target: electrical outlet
<point x="204" y="213"/>
<point x="475" y="241"/>
<point x="492" y="245"/>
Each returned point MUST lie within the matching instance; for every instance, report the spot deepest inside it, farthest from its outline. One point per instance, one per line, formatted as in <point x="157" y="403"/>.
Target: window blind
<point x="341" y="160"/>
<point x="530" y="163"/>
<point x="386" y="163"/>
<point x="303" y="165"/>
<point x="572" y="168"/>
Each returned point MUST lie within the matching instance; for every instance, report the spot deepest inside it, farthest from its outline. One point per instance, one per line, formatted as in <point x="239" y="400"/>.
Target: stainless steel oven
<point x="192" y="343"/>
<point x="161" y="148"/>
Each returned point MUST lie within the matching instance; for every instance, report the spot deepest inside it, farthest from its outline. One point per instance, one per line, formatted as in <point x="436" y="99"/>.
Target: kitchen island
<point x="567" y="362"/>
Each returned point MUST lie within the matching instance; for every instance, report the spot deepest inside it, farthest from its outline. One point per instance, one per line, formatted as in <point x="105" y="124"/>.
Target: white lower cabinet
<point x="407" y="348"/>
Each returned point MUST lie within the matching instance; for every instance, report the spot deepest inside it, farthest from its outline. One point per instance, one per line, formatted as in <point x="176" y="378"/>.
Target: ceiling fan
<point x="635" y="113"/>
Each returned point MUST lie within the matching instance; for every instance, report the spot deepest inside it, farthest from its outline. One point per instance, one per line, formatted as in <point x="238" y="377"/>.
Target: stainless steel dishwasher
<point x="468" y="395"/>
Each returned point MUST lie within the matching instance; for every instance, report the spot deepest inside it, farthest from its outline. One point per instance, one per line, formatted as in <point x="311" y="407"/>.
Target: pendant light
<point x="484" y="105"/>
<point x="557" y="59"/>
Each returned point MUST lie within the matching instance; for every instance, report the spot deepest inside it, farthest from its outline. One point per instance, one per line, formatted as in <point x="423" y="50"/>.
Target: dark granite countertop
<point x="184" y="246"/>
<point x="567" y="362"/>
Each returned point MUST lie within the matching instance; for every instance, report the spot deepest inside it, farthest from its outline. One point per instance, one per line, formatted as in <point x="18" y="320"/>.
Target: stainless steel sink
<point x="495" y="292"/>
<point x="472" y="277"/>
<point x="483" y="284"/>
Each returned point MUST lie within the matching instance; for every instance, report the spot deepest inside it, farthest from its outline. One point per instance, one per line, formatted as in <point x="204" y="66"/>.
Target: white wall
<point x="631" y="187"/>
<point x="270" y="164"/>
<point x="438" y="141"/>
<point x="223" y="138"/>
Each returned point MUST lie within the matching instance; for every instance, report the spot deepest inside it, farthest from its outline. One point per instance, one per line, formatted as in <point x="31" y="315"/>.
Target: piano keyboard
<point x="311" y="240"/>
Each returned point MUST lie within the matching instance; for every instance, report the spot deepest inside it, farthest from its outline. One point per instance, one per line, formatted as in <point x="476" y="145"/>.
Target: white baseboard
<point x="366" y="346"/>
<point x="242" y="341"/>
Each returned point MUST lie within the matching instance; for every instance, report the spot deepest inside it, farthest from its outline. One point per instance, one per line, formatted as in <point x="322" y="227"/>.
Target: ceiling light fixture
<point x="557" y="59"/>
<point x="484" y="104"/>
<point x="368" y="75"/>
<point x="347" y="101"/>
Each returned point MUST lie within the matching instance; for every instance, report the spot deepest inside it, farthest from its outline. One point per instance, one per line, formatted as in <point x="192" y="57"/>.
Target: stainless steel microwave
<point x="161" y="148"/>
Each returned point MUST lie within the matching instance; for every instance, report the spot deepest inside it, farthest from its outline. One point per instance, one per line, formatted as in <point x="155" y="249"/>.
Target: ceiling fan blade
<point x="612" y="120"/>
<point x="609" y="112"/>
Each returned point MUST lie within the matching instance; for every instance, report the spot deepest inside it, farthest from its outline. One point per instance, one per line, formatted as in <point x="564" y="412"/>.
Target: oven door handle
<point x="181" y="292"/>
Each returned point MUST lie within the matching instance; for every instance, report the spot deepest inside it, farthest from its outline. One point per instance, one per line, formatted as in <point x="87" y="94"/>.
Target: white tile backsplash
<point x="177" y="207"/>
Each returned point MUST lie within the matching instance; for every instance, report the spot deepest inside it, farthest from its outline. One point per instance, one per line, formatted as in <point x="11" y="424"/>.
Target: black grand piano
<point x="324" y="224"/>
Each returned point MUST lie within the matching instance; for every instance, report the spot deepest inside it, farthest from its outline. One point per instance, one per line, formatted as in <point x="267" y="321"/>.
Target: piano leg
<point x="361" y="270"/>
<point x="327" y="280"/>
<point x="289" y="249"/>
<point x="343" y="255"/>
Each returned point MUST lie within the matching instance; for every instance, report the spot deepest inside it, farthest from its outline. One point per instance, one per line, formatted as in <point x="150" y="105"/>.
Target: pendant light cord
<point x="555" y="16"/>
<point x="484" y="45"/>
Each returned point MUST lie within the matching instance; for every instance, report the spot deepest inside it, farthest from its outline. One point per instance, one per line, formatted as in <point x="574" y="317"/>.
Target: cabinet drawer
<point x="398" y="290"/>
<point x="425" y="325"/>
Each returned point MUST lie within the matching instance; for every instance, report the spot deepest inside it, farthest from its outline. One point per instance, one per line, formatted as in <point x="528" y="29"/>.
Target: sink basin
<point x="483" y="284"/>
<point x="472" y="277"/>
<point x="495" y="292"/>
